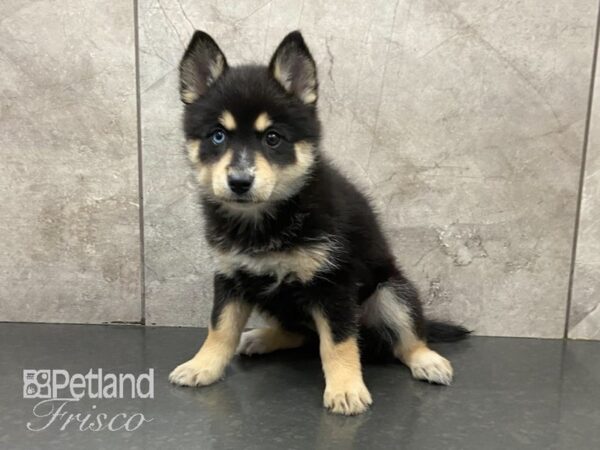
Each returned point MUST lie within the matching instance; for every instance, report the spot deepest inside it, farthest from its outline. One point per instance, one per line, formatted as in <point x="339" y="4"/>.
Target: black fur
<point x="444" y="332"/>
<point x="327" y="207"/>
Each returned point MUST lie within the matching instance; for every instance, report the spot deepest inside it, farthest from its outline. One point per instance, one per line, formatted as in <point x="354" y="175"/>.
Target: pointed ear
<point x="294" y="68"/>
<point x="202" y="63"/>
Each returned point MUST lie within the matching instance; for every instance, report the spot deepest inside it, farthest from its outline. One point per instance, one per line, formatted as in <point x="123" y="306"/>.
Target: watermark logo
<point x="57" y="389"/>
<point x="36" y="383"/>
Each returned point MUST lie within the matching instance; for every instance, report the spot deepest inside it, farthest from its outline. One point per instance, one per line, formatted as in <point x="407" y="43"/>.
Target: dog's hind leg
<point x="268" y="339"/>
<point x="395" y="309"/>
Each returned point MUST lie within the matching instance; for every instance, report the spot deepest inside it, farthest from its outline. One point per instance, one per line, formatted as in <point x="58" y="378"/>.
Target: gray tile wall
<point x="70" y="248"/>
<point x="584" y="320"/>
<point x="465" y="121"/>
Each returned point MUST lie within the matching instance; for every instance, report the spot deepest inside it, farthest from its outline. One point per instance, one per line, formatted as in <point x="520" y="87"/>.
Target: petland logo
<point x="57" y="388"/>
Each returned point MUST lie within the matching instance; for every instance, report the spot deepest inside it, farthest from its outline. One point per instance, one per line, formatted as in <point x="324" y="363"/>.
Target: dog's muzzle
<point x="240" y="182"/>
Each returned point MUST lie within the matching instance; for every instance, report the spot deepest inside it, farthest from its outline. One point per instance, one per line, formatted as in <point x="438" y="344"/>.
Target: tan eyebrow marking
<point x="188" y="96"/>
<point x="193" y="148"/>
<point x="262" y="122"/>
<point x="227" y="120"/>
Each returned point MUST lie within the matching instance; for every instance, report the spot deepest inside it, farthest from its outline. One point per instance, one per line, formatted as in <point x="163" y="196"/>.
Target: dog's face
<point x="252" y="131"/>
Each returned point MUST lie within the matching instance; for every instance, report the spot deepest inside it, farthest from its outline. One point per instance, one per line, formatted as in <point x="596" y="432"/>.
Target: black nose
<point x="240" y="183"/>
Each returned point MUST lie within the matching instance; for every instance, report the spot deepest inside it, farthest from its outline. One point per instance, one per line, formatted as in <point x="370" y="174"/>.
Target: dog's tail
<point x="444" y="332"/>
<point x="377" y="344"/>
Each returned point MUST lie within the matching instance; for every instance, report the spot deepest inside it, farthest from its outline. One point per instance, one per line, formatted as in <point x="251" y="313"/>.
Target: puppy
<point x="292" y="238"/>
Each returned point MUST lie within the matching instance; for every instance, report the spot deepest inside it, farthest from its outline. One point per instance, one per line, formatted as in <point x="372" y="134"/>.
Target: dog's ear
<point x="202" y="63"/>
<point x="294" y="68"/>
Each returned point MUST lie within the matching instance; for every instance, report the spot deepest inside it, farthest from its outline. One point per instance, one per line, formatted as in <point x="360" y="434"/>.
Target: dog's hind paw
<point x="254" y="342"/>
<point x="266" y="340"/>
<point x="431" y="366"/>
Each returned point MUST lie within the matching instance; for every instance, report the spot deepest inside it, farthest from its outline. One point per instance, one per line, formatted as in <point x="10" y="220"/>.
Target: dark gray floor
<point x="507" y="394"/>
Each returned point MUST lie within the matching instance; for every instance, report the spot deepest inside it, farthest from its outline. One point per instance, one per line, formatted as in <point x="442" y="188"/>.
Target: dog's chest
<point x="300" y="263"/>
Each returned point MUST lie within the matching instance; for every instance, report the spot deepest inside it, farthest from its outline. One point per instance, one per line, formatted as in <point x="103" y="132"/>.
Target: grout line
<point x="140" y="163"/>
<point x="381" y="87"/>
<point x="586" y="136"/>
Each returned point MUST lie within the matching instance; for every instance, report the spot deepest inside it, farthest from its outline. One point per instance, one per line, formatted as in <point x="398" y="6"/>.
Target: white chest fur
<point x="301" y="263"/>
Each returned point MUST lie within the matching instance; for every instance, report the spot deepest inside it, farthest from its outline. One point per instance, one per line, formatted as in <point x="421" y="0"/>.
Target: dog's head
<point x="252" y="131"/>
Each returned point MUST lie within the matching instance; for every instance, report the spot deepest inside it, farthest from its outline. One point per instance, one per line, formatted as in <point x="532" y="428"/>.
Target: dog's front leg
<point x="229" y="316"/>
<point x="345" y="390"/>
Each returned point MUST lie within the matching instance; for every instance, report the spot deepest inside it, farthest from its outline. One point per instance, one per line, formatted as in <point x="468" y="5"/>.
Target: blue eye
<point x="218" y="137"/>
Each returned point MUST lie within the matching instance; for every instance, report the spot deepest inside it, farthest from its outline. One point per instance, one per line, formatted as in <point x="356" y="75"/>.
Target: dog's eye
<point x="272" y="139"/>
<point x="218" y="137"/>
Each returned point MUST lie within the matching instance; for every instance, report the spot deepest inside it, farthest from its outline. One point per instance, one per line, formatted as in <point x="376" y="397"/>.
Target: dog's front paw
<point x="431" y="366"/>
<point x="195" y="373"/>
<point x="349" y="399"/>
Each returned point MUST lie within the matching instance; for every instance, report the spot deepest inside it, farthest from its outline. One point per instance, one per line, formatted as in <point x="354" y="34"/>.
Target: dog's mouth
<point x="241" y="201"/>
<point x="244" y="206"/>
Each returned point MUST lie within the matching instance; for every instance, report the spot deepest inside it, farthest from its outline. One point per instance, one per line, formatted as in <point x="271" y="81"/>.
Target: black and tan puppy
<point x="292" y="238"/>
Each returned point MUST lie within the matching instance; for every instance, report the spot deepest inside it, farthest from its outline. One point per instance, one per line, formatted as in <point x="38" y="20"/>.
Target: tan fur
<point x="188" y="96"/>
<point x="213" y="177"/>
<point x="291" y="178"/>
<point x="218" y="175"/>
<point x="216" y="69"/>
<point x="309" y="94"/>
<point x="208" y="365"/>
<point x="345" y="391"/>
<point x="302" y="263"/>
<point x="194" y="88"/>
<point x="262" y="122"/>
<point x="267" y="340"/>
<point x="424" y="363"/>
<point x="264" y="178"/>
<point x="384" y="307"/>
<point x="227" y="120"/>
<point x="282" y="77"/>
<point x="271" y="181"/>
<point x="252" y="213"/>
<point x="193" y="149"/>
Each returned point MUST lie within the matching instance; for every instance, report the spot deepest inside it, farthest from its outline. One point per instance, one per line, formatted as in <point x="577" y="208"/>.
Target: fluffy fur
<point x="293" y="239"/>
